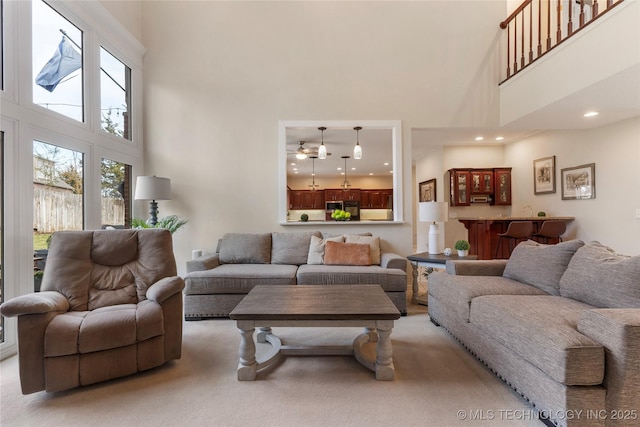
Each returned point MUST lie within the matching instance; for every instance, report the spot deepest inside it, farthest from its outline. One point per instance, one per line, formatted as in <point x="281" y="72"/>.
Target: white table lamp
<point x="153" y="188"/>
<point x="433" y="212"/>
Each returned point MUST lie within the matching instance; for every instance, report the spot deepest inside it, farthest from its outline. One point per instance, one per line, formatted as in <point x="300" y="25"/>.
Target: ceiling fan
<point x="303" y="152"/>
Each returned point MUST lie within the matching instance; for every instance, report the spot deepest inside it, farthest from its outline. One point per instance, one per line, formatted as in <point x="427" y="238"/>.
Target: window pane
<point x="115" y="78"/>
<point x="2" y="264"/>
<point x="116" y="194"/>
<point x="57" y="62"/>
<point x="57" y="197"/>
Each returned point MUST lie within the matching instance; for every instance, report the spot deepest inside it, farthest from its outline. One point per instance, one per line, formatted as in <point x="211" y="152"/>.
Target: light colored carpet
<point x="435" y="379"/>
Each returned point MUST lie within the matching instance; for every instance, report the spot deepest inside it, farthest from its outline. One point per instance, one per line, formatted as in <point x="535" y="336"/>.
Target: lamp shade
<point x="433" y="211"/>
<point x="153" y="188"/>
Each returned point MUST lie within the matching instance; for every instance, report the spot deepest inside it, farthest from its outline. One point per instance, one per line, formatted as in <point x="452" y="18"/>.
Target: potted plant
<point x="462" y="246"/>
<point x="171" y="223"/>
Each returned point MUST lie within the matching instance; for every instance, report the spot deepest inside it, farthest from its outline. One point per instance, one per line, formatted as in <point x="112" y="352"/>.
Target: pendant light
<point x="322" y="151"/>
<point x="345" y="185"/>
<point x="357" y="150"/>
<point x="313" y="184"/>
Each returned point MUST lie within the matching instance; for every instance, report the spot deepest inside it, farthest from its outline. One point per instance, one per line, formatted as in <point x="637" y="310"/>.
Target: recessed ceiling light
<point x="390" y="171"/>
<point x="353" y="169"/>
<point x="386" y="163"/>
<point x="499" y="138"/>
<point x="479" y="138"/>
<point x="591" y="114"/>
<point x="370" y="173"/>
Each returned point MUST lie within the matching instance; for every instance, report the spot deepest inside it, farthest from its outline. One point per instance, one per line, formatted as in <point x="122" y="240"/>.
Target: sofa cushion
<point x="317" y="246"/>
<point x="599" y="276"/>
<point x="245" y="248"/>
<point x="541" y="265"/>
<point x="337" y="253"/>
<point x="372" y="241"/>
<point x="543" y="331"/>
<point x="238" y="278"/>
<point x="291" y="248"/>
<point x="390" y="279"/>
<point x="457" y="292"/>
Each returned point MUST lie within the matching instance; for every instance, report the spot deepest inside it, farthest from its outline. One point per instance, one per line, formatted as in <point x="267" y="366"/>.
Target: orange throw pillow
<point x="337" y="253"/>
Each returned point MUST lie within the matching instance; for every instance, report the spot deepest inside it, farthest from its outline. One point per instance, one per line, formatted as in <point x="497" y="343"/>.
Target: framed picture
<point x="544" y="175"/>
<point x="427" y="191"/>
<point x="579" y="182"/>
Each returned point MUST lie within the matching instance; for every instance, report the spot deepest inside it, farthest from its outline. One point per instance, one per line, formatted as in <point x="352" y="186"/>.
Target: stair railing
<point x="537" y="26"/>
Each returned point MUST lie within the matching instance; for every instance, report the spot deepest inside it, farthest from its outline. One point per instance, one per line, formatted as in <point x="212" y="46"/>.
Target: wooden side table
<point x="425" y="259"/>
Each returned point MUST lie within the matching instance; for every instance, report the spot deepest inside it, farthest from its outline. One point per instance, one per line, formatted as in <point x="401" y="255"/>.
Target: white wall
<point x="220" y="75"/>
<point x="609" y="218"/>
<point x="615" y="150"/>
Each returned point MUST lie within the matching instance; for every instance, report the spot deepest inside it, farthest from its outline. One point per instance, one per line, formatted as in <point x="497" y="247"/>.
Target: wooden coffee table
<point x="316" y="306"/>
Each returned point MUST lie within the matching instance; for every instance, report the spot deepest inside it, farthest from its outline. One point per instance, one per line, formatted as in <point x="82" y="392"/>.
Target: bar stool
<point x="516" y="232"/>
<point x="550" y="230"/>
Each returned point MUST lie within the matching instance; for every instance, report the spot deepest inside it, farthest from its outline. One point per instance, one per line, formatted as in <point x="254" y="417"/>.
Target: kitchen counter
<point x="483" y="232"/>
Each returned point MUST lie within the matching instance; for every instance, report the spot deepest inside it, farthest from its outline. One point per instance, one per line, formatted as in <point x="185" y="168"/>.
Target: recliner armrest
<point x="391" y="260"/>
<point x="205" y="262"/>
<point x="35" y="303"/>
<point x="493" y="267"/>
<point x="165" y="288"/>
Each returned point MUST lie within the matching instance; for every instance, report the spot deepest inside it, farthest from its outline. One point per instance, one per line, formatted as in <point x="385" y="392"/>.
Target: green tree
<point x="109" y="125"/>
<point x="112" y="177"/>
<point x="73" y="177"/>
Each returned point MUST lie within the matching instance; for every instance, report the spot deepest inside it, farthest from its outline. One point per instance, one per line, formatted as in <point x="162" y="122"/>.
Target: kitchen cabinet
<point x="467" y="186"/>
<point x="482" y="181"/>
<point x="340" y="195"/>
<point x="503" y="186"/>
<point x="375" y="199"/>
<point x="306" y="199"/>
<point x="459" y="186"/>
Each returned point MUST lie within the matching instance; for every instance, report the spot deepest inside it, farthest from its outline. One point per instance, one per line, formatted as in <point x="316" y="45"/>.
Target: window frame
<point x="23" y="121"/>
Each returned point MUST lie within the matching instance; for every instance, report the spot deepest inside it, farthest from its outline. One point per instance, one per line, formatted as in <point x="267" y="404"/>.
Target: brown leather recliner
<point x="110" y="306"/>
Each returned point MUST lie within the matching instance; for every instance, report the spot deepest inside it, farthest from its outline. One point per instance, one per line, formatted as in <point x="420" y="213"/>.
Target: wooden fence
<point x="62" y="210"/>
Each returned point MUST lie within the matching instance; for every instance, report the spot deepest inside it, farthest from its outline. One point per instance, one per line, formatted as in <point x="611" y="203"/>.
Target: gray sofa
<point x="216" y="283"/>
<point x="558" y="323"/>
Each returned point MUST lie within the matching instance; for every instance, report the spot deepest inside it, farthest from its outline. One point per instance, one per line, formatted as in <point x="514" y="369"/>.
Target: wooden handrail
<point x="515" y="13"/>
<point x="565" y="21"/>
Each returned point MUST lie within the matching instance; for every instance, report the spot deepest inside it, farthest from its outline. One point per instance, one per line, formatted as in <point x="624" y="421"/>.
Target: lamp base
<point x="153" y="211"/>
<point x="434" y="239"/>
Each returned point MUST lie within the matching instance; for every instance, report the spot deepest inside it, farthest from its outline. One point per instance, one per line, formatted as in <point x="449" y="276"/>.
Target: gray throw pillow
<point x="541" y="265"/>
<point x="291" y="248"/>
<point x="245" y="248"/>
<point x="317" y="246"/>
<point x="599" y="276"/>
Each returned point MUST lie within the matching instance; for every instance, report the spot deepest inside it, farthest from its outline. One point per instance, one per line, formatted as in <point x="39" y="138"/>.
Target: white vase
<point x="463" y="253"/>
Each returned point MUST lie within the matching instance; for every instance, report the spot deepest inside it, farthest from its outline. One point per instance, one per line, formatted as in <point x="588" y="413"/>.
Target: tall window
<point x="58" y="202"/>
<point x="2" y="232"/>
<point x="57" y="62"/>
<point x="116" y="194"/>
<point x="115" y="81"/>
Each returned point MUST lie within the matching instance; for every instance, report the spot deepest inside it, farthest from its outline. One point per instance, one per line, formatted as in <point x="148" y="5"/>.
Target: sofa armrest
<point x="35" y="303"/>
<point x="205" y="262"/>
<point x="165" y="288"/>
<point x="618" y="330"/>
<point x="391" y="260"/>
<point x="493" y="267"/>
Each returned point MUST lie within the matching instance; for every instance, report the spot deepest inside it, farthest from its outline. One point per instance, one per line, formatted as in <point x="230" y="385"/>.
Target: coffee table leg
<point x="385" y="371"/>
<point x="262" y="334"/>
<point x="248" y="365"/>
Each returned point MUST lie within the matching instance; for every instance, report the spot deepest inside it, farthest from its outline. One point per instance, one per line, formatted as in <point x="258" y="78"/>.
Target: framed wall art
<point x="544" y="175"/>
<point x="579" y="182"/>
<point x="427" y="190"/>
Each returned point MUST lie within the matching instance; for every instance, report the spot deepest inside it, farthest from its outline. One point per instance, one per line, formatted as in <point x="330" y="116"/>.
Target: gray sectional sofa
<point x="216" y="283"/>
<point x="558" y="323"/>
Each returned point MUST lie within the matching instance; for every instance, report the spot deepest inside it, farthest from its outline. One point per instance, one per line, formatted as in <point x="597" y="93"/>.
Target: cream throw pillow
<point x="373" y="241"/>
<point x="317" y="246"/>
